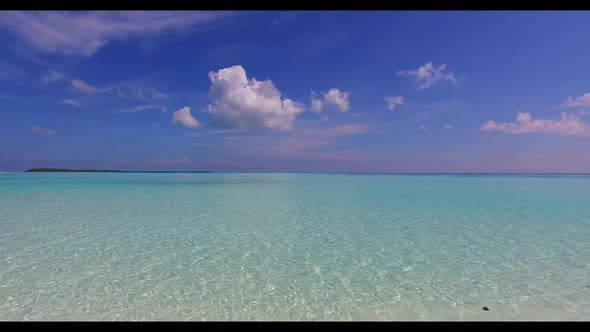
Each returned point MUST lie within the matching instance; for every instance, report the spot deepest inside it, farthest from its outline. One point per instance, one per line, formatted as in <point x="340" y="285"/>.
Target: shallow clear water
<point x="294" y="247"/>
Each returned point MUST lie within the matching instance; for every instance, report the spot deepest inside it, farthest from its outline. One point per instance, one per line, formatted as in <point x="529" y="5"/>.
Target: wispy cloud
<point x="425" y="76"/>
<point x="43" y="131"/>
<point x="582" y="101"/>
<point x="72" y="102"/>
<point x="136" y="109"/>
<point x="212" y="132"/>
<point x="338" y="131"/>
<point x="567" y="125"/>
<point x="423" y="128"/>
<point x="140" y="93"/>
<point x="127" y="90"/>
<point x="52" y="76"/>
<point x="394" y="101"/>
<point x="83" y="87"/>
<point x="84" y="33"/>
<point x="448" y="127"/>
<point x="312" y="144"/>
<point x="317" y="144"/>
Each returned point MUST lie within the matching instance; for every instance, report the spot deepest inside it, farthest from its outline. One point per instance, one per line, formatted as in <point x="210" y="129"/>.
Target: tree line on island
<point x="66" y="170"/>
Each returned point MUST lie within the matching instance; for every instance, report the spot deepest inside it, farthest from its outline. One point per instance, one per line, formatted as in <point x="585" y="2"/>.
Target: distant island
<point x="65" y="170"/>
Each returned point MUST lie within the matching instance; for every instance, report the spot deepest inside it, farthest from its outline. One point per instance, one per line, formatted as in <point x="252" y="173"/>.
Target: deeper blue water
<point x="226" y="246"/>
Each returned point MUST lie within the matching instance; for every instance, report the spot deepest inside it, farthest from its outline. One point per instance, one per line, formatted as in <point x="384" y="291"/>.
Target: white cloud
<point x="334" y="97"/>
<point x="84" y="33"/>
<point x="248" y="104"/>
<point x="138" y="109"/>
<point x="427" y="75"/>
<point x="338" y="99"/>
<point x="164" y="110"/>
<point x="52" y="76"/>
<point x="582" y="101"/>
<point x="392" y="102"/>
<point x="157" y="94"/>
<point x="43" y="131"/>
<point x="127" y="89"/>
<point x="72" y="102"/>
<point x="316" y="103"/>
<point x="84" y="87"/>
<point x="423" y="128"/>
<point x="448" y="127"/>
<point x="184" y="118"/>
<point x="567" y="125"/>
<point x="148" y="93"/>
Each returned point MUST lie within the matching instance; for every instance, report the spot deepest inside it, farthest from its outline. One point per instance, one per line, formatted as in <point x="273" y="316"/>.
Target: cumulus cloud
<point x="184" y="118"/>
<point x="334" y="97"/>
<point x="425" y="76"/>
<point x="72" y="102"/>
<point x="164" y="110"/>
<point x="337" y="98"/>
<point x="43" y="131"/>
<point x="582" y="101"/>
<point x="567" y="125"/>
<point x="83" y="87"/>
<point x="392" y="102"/>
<point x="248" y="104"/>
<point x="84" y="33"/>
<point x="316" y="103"/>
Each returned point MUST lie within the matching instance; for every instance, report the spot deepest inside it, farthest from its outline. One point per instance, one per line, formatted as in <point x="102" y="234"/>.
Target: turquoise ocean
<point x="236" y="246"/>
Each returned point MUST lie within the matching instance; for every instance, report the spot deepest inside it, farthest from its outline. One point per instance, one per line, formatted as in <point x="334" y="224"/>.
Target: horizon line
<point x="295" y="172"/>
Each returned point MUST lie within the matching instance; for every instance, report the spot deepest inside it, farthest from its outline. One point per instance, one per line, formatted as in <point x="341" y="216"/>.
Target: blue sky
<point x="296" y="91"/>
